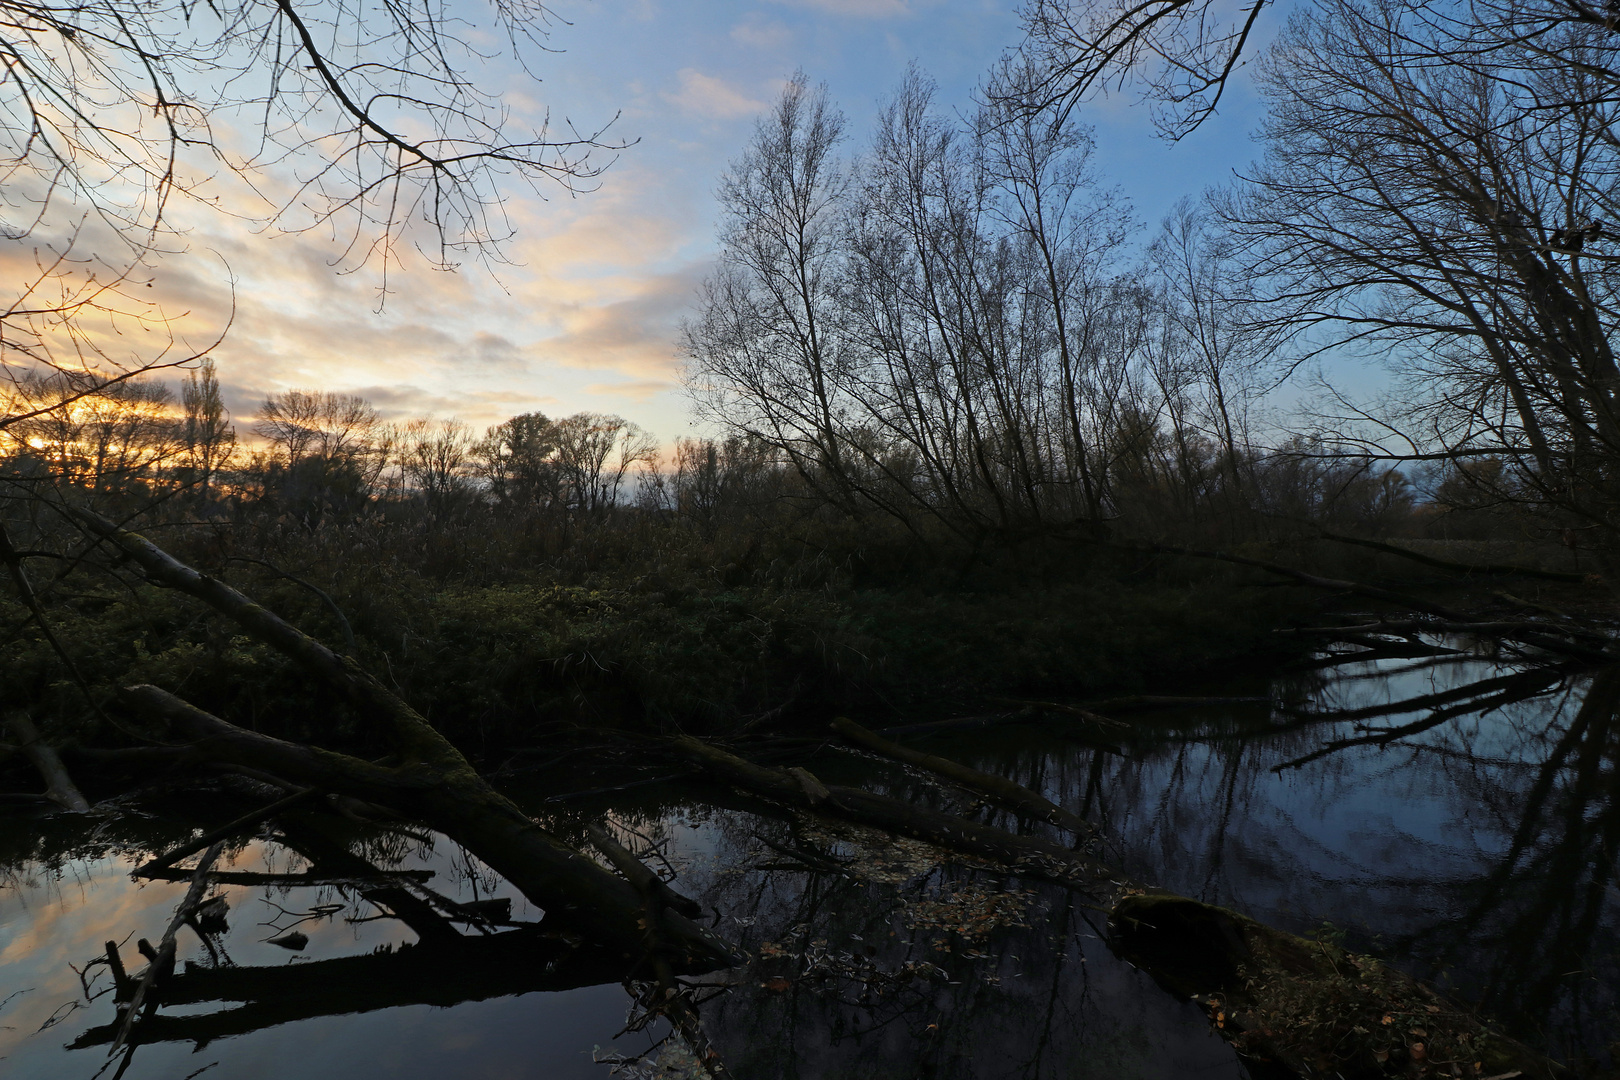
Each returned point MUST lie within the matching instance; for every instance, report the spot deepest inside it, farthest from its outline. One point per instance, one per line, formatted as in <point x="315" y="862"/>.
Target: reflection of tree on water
<point x="495" y="956"/>
<point x="907" y="966"/>
<point x="877" y="959"/>
<point x="1468" y="827"/>
<point x="1539" y="926"/>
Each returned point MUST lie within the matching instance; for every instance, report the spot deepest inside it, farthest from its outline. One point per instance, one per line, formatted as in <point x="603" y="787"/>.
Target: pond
<point x="1456" y="815"/>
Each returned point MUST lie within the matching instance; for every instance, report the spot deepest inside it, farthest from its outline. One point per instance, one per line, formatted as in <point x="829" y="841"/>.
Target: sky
<point x="587" y="316"/>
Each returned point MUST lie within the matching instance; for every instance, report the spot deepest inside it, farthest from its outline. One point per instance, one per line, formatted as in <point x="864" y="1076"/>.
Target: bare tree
<point x="436" y="456"/>
<point x="1450" y="217"/>
<point x="302" y="423"/>
<point x="967" y="296"/>
<point x="207" y="438"/>
<point x="1221" y="350"/>
<point x="767" y="345"/>
<point x="595" y="455"/>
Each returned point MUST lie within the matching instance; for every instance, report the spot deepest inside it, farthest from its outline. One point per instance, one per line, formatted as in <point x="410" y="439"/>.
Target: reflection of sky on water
<point x="54" y="919"/>
<point x="1391" y="843"/>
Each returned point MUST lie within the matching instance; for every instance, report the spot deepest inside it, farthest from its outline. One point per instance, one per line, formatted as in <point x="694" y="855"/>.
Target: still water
<point x="1466" y="830"/>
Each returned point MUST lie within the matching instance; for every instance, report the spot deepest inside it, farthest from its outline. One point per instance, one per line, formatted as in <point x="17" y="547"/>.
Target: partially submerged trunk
<point x="458" y="802"/>
<point x="1029" y="856"/>
<point x="1016" y="797"/>
<point x="433" y="781"/>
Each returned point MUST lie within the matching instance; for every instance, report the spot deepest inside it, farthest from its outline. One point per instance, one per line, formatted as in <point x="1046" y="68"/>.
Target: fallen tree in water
<point x="633" y="916"/>
<point x="431" y="781"/>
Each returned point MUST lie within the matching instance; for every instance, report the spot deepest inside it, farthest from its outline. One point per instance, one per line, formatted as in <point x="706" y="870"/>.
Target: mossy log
<point x="1298" y="1007"/>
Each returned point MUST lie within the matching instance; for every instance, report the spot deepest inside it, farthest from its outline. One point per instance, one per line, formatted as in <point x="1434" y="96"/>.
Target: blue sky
<point x="587" y="318"/>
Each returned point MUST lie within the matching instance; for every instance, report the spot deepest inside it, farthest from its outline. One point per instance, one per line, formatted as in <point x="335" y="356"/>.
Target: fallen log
<point x="59" y="786"/>
<point x="1015" y="797"/>
<point x="453" y="799"/>
<point x="433" y="781"/>
<point x="1026" y="856"/>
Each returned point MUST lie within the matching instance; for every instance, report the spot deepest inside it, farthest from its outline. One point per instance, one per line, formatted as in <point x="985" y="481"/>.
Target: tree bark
<point x="59" y="786"/>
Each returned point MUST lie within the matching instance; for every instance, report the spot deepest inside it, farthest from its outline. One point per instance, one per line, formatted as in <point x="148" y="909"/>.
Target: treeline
<point x="318" y="450"/>
<point x="956" y="327"/>
<point x="950" y="329"/>
<point x="331" y="457"/>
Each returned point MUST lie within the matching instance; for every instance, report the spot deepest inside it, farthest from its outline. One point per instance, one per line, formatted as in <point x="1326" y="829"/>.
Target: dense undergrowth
<point x="502" y="660"/>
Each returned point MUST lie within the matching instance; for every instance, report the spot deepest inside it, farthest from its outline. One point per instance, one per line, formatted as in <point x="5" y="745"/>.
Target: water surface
<point x="1478" y="852"/>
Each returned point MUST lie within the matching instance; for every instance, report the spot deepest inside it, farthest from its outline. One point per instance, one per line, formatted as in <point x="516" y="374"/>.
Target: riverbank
<point x="500" y="665"/>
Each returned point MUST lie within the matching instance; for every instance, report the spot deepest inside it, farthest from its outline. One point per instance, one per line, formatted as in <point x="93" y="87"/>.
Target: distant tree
<point x="595" y="455"/>
<point x="302" y="423"/>
<point x="517" y="459"/>
<point x="99" y="443"/>
<point x="329" y="450"/>
<point x="436" y="456"/>
<point x="207" y="439"/>
<point x="715" y="479"/>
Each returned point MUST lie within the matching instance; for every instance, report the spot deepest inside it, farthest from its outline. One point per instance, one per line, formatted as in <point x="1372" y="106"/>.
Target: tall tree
<point x="768" y="348"/>
<point x="1450" y="217"/>
<point x="207" y="438"/>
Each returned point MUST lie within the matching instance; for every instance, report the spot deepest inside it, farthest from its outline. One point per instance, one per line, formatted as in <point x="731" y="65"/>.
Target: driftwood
<point x="1015" y="797"/>
<point x="433" y="781"/>
<point x="59" y="786"/>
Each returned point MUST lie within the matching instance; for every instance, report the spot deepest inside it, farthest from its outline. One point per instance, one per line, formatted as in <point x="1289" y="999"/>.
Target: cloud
<point x="637" y="390"/>
<point x="861" y="9"/>
<point x="706" y="96"/>
<point x="636" y="336"/>
<point x="761" y="35"/>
